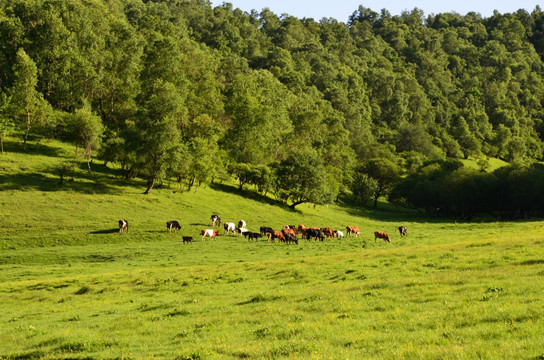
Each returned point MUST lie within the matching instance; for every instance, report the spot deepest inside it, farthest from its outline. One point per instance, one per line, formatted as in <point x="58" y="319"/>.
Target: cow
<point x="187" y="239"/>
<point x="265" y="230"/>
<point x="216" y="220"/>
<point x="403" y="231"/>
<point x="242" y="230"/>
<point x="276" y="235"/>
<point x="123" y="226"/>
<point x="210" y="233"/>
<point x="229" y="227"/>
<point x="288" y="230"/>
<point x="381" y="235"/>
<point x="314" y="233"/>
<point x="328" y="232"/>
<point x="173" y="225"/>
<point x="241" y="224"/>
<point x="290" y="237"/>
<point x="353" y="230"/>
<point x="339" y="234"/>
<point x="252" y="235"/>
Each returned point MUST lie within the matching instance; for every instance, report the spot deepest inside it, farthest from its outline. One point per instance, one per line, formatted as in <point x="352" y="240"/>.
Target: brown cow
<point x="276" y="235"/>
<point x="381" y="235"/>
<point x="287" y="230"/>
<point x="328" y="232"/>
<point x="353" y="230"/>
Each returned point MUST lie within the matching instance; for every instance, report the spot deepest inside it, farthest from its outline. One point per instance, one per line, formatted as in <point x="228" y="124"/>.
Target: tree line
<point x="305" y="109"/>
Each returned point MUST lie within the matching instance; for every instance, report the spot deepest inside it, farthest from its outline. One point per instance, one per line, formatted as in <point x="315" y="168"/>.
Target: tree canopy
<point x="185" y="89"/>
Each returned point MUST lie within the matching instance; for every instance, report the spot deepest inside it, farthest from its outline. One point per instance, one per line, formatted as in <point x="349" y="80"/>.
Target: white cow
<point x="229" y="227"/>
<point x="241" y="224"/>
<point x="242" y="230"/>
<point x="338" y="234"/>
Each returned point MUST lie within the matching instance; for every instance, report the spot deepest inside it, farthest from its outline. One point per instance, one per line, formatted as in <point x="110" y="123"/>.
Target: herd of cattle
<point x="288" y="234"/>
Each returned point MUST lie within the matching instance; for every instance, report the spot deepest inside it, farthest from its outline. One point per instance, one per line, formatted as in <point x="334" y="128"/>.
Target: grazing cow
<point x="290" y="237"/>
<point x="210" y="233"/>
<point x="242" y="230"/>
<point x="252" y="236"/>
<point x="353" y="230"/>
<point x="173" y="225"/>
<point x="381" y="235"/>
<point x="314" y="233"/>
<point x="276" y="235"/>
<point x="265" y="230"/>
<point x="229" y="227"/>
<point x="338" y="234"/>
<point x="403" y="231"/>
<point x="123" y="226"/>
<point x="187" y="239"/>
<point x="328" y="232"/>
<point x="287" y="230"/>
<point x="216" y="220"/>
<point x="241" y="224"/>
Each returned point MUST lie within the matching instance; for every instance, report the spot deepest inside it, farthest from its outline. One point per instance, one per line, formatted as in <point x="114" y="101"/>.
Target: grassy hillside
<point x="72" y="287"/>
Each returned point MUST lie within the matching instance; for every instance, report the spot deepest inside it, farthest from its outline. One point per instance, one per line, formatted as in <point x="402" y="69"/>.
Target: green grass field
<point x="72" y="287"/>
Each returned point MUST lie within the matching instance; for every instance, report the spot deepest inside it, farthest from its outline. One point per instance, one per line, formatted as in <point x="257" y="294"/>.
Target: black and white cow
<point x="216" y="220"/>
<point x="173" y="225"/>
<point x="123" y="226"/>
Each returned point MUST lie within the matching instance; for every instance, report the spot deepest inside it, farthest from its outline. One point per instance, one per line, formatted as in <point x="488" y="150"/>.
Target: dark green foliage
<point x="183" y="89"/>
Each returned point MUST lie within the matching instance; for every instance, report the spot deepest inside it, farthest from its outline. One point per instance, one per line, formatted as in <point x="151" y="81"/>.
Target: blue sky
<point x="342" y="9"/>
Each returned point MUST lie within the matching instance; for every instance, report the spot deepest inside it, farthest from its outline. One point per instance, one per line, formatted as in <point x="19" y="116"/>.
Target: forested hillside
<point x="304" y="109"/>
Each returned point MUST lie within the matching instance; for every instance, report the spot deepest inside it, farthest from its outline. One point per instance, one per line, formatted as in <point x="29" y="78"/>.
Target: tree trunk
<point x="150" y="183"/>
<point x="27" y="129"/>
<point x="1" y="144"/>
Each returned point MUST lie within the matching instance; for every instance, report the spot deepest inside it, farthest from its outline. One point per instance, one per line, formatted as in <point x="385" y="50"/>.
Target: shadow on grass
<point x="103" y="232"/>
<point x="44" y="148"/>
<point x="248" y="194"/>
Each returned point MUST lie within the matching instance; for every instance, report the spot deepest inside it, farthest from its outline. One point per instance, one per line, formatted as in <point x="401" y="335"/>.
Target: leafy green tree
<point x="158" y="132"/>
<point x="364" y="187"/>
<point x="28" y="103"/>
<point x="386" y="174"/>
<point x="302" y="178"/>
<point x="86" y="129"/>
<point x="6" y="119"/>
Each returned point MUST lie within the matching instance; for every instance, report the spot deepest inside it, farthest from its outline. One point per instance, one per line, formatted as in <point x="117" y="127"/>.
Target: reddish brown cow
<point x="381" y="235"/>
<point x="353" y="230"/>
<point x="286" y="230"/>
<point x="328" y="232"/>
<point x="276" y="235"/>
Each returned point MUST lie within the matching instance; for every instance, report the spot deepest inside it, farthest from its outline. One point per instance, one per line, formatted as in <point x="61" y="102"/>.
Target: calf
<point x="338" y="234"/>
<point x="173" y="225"/>
<point x="187" y="239"/>
<point x="381" y="235"/>
<point x="241" y="224"/>
<point x="229" y="227"/>
<point x="216" y="220"/>
<point x="253" y="235"/>
<point x="352" y="230"/>
<point x="123" y="226"/>
<point x="402" y="230"/>
<point x="210" y="233"/>
<point x="290" y="237"/>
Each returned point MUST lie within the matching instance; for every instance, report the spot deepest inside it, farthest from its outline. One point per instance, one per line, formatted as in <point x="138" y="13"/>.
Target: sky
<point x="342" y="9"/>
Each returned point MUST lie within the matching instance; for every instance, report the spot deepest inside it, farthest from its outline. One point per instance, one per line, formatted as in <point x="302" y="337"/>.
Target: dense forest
<point x="307" y="110"/>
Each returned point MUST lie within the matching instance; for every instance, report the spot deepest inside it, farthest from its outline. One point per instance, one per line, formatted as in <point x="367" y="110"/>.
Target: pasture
<point x="72" y="287"/>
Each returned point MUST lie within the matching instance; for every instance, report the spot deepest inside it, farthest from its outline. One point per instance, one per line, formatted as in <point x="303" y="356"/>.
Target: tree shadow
<point x="248" y="194"/>
<point x="44" y="148"/>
